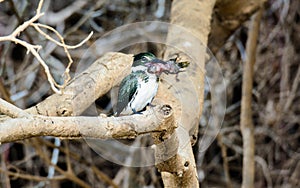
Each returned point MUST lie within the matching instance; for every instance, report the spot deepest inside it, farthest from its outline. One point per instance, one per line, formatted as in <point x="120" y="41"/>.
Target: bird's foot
<point x="135" y="112"/>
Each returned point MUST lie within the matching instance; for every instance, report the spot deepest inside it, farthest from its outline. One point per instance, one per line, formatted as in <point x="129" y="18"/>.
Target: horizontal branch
<point x="153" y="120"/>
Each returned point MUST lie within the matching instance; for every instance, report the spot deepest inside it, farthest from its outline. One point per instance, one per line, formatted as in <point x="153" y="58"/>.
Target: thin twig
<point x="75" y="156"/>
<point x="292" y="95"/>
<point x="68" y="161"/>
<point x="20" y="20"/>
<point x="62" y="44"/>
<point x="30" y="177"/>
<point x="247" y="127"/>
<point x="102" y="176"/>
<point x="68" y="175"/>
<point x="86" y="16"/>
<point x="225" y="160"/>
<point x="35" y="48"/>
<point x="265" y="170"/>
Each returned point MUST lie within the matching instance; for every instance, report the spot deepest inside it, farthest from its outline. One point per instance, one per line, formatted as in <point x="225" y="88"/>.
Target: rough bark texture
<point x="127" y="127"/>
<point x="194" y="17"/>
<point x="94" y="82"/>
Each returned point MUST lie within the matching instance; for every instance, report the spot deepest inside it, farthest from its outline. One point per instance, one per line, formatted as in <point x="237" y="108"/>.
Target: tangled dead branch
<point x="34" y="49"/>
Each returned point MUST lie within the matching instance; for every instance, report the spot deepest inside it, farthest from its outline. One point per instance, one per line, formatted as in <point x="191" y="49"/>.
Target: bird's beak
<point x="158" y="61"/>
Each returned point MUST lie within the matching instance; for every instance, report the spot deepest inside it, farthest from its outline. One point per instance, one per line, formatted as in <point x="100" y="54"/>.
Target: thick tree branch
<point x="153" y="120"/>
<point x="194" y="16"/>
<point x="85" y="88"/>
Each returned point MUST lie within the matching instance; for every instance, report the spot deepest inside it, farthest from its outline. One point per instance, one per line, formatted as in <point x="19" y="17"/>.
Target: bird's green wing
<point x="127" y="89"/>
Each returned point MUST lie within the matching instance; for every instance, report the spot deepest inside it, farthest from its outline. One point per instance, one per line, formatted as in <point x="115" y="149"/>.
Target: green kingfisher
<point x="138" y="88"/>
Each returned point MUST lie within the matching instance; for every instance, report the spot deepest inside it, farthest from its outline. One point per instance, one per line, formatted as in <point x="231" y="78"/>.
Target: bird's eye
<point x="144" y="59"/>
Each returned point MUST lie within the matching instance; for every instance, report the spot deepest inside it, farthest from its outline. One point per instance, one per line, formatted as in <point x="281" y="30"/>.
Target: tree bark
<point x="186" y="96"/>
<point x="85" y="88"/>
<point x="126" y="127"/>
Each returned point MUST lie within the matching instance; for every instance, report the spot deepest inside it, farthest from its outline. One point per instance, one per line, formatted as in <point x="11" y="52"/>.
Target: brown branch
<point x="247" y="127"/>
<point x="16" y="175"/>
<point x="4" y="93"/>
<point x="166" y="149"/>
<point x="67" y="174"/>
<point x="90" y="127"/>
<point x="225" y="160"/>
<point x="180" y="170"/>
<point x="101" y="175"/>
<point x="34" y="49"/>
<point x="265" y="169"/>
<point x="54" y="18"/>
<point x="11" y="110"/>
<point x="85" y="88"/>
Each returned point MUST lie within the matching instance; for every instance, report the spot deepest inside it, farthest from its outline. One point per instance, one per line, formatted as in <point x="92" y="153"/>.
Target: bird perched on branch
<point x="138" y="89"/>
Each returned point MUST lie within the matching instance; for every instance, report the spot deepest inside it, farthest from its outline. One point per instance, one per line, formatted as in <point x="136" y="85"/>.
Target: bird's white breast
<point x="145" y="94"/>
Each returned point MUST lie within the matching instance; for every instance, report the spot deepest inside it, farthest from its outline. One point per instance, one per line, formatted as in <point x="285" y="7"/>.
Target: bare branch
<point x="30" y="177"/>
<point x="35" y="48"/>
<point x="68" y="175"/>
<point x="11" y="110"/>
<point x="180" y="170"/>
<point x="90" y="127"/>
<point x="247" y="127"/>
<point x="62" y="44"/>
<point x="88" y="86"/>
<point x="53" y="18"/>
<point x="225" y="160"/>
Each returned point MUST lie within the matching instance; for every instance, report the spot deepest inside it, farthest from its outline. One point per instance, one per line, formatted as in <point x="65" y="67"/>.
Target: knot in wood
<point x="166" y="110"/>
<point x="64" y="111"/>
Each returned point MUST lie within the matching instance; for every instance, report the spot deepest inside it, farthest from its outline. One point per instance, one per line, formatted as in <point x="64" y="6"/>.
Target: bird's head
<point x="141" y="60"/>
